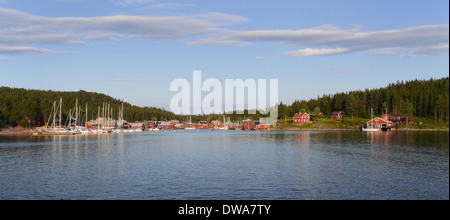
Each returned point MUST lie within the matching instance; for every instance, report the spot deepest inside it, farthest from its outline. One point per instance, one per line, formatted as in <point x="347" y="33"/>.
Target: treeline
<point x="422" y="98"/>
<point x="17" y="106"/>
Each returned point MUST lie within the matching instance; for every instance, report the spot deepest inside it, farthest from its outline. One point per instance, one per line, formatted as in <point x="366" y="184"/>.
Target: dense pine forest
<point x="418" y="98"/>
<point x="16" y="105"/>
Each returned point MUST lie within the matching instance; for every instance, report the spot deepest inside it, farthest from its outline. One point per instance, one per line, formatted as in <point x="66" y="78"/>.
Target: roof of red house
<point x="379" y="120"/>
<point x="300" y="115"/>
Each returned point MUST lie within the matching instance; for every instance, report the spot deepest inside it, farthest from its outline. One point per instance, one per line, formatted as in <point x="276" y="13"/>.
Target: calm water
<point x="227" y="165"/>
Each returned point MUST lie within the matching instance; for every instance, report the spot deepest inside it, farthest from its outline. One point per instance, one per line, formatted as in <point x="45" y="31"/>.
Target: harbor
<point x="78" y="123"/>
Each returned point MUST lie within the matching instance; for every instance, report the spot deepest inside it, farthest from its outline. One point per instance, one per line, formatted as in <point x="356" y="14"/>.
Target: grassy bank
<point x="355" y="123"/>
<point x="425" y="123"/>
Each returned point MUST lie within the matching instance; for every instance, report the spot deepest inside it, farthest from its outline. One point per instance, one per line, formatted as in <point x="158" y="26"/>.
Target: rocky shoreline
<point x="15" y="131"/>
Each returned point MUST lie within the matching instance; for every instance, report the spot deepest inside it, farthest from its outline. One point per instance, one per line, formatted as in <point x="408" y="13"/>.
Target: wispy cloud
<point x="317" y="52"/>
<point x="18" y="28"/>
<point x="167" y="5"/>
<point x="70" y="0"/>
<point x="151" y="4"/>
<point x="23" y="49"/>
<point x="260" y="57"/>
<point x="331" y="40"/>
<point x="337" y="70"/>
<point x="120" y="80"/>
<point x="132" y="2"/>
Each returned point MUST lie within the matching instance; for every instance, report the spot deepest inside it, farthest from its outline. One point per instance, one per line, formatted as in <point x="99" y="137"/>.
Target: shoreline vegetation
<point x="425" y="102"/>
<point x="10" y="131"/>
<point x="417" y="124"/>
<point x="283" y="125"/>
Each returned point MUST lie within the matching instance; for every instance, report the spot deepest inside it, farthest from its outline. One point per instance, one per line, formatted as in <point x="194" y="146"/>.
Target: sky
<point x="134" y="49"/>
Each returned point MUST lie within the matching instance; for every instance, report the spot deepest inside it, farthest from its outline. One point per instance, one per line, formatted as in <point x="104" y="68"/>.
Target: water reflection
<point x="226" y="165"/>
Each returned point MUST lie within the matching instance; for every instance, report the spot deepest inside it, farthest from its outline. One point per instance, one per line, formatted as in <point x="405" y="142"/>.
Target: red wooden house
<point x="137" y="125"/>
<point x="301" y="118"/>
<point x="391" y="117"/>
<point x="166" y="126"/>
<point x="381" y="123"/>
<point x="336" y="114"/>
<point x="201" y="125"/>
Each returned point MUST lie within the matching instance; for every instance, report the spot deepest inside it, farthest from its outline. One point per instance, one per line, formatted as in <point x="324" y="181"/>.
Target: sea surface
<point x="227" y="165"/>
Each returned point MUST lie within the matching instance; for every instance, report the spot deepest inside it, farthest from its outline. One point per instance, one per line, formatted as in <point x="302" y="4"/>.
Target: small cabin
<point x="109" y="124"/>
<point x="391" y="117"/>
<point x="336" y="114"/>
<point x="137" y="125"/>
<point x="216" y="124"/>
<point x="301" y="118"/>
<point x="179" y="126"/>
<point x="201" y="125"/>
<point x="261" y="126"/>
<point x="123" y="124"/>
<point x="91" y="125"/>
<point x="248" y="124"/>
<point x="234" y="125"/>
<point x="166" y="126"/>
<point x="152" y="124"/>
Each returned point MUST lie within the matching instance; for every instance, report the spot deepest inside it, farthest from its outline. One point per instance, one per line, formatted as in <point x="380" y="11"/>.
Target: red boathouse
<point x="381" y="123"/>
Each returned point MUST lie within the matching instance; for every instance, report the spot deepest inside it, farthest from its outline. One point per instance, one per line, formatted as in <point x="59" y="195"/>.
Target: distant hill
<point x="17" y="104"/>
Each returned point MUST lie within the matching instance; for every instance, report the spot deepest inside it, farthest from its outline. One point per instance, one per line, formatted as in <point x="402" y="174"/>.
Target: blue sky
<point x="133" y="49"/>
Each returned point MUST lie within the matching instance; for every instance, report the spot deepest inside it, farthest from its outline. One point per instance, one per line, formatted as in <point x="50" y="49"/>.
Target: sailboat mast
<point x="85" y="122"/>
<point x="60" y="112"/>
<point x="76" y="113"/>
<point x="54" y="115"/>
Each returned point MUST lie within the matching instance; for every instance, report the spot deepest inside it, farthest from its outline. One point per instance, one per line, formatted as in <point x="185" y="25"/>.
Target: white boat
<point x="84" y="131"/>
<point x="371" y="127"/>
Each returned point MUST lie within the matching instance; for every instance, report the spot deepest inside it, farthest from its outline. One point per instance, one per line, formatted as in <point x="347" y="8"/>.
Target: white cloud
<point x="337" y="70"/>
<point x="437" y="49"/>
<point x="65" y="1"/>
<point x="18" y="28"/>
<point x="120" y="80"/>
<point x="132" y="2"/>
<point x="408" y="56"/>
<point x="151" y="4"/>
<point x="23" y="49"/>
<point x="317" y="52"/>
<point x="167" y="5"/>
<point x="383" y="51"/>
<point x="420" y="40"/>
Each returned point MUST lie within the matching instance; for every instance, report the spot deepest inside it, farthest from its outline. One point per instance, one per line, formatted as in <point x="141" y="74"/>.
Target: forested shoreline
<point x="418" y="98"/>
<point x="17" y="105"/>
